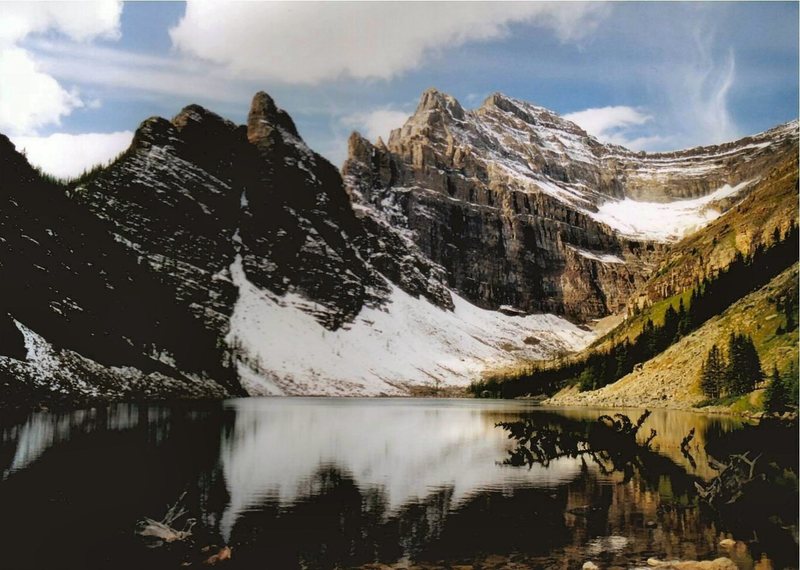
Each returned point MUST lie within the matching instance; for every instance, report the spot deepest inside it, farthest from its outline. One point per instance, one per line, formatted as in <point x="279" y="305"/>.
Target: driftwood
<point x="734" y="476"/>
<point x="163" y="531"/>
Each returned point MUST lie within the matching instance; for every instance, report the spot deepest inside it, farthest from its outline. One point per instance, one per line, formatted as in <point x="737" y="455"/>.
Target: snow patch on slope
<point x="597" y="256"/>
<point x="282" y="349"/>
<point x="664" y="222"/>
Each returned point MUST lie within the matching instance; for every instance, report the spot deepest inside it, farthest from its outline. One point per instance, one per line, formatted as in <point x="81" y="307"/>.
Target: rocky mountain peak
<point x="573" y="224"/>
<point x="155" y="131"/>
<point x="434" y="100"/>
<point x="194" y="115"/>
<point x="264" y="117"/>
<point x="358" y="146"/>
<point x="531" y="114"/>
<point x="501" y="101"/>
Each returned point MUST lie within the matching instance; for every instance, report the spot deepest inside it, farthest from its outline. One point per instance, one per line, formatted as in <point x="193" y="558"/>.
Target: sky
<point x="76" y="79"/>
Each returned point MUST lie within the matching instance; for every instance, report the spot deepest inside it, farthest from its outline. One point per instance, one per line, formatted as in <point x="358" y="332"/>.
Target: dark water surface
<point x="322" y="483"/>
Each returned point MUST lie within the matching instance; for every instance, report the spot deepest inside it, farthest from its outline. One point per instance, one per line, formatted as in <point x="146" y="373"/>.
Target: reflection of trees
<point x="657" y="489"/>
<point x="611" y="443"/>
<point x="754" y="497"/>
<point x="686" y="450"/>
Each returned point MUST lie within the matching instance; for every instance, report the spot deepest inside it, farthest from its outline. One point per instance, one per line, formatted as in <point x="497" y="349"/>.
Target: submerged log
<point x="729" y="485"/>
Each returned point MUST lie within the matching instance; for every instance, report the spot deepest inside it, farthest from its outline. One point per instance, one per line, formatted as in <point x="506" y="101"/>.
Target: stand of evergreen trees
<point x="709" y="297"/>
<point x="739" y="374"/>
<point x="782" y="391"/>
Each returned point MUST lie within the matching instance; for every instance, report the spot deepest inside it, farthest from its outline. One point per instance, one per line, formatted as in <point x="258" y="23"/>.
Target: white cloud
<point x="67" y="156"/>
<point x="700" y="91"/>
<point x="376" y="123"/>
<point x="30" y="98"/>
<point x="135" y="73"/>
<point x="473" y="99"/>
<point x="619" y="124"/>
<point x="694" y="87"/>
<point x="601" y="120"/>
<point x="308" y="42"/>
<point x="80" y="21"/>
<point x="614" y="125"/>
<point x="692" y="108"/>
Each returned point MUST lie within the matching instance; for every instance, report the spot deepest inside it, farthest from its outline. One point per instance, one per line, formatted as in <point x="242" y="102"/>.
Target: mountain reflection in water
<point x="319" y="483"/>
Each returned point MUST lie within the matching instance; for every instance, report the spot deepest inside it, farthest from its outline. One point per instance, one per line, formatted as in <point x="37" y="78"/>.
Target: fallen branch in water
<point x="163" y="531"/>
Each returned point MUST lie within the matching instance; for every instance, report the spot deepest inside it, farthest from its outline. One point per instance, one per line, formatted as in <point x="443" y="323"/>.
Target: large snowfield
<point x="664" y="222"/>
<point x="283" y="350"/>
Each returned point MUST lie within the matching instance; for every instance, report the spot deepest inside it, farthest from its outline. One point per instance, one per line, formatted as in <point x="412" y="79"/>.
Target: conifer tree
<point x="669" y="331"/>
<point x="621" y="357"/>
<point x="684" y="319"/>
<point x="776" y="396"/>
<point x="744" y="366"/>
<point x="790" y="314"/>
<point x="792" y="383"/>
<point x="649" y="339"/>
<point x="713" y="373"/>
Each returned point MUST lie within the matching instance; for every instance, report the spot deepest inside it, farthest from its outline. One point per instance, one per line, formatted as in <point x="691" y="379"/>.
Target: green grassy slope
<point x="671" y="378"/>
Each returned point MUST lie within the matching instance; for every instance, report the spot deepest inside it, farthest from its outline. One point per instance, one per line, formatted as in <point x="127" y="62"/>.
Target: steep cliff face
<point x="193" y="193"/>
<point x="523" y="208"/>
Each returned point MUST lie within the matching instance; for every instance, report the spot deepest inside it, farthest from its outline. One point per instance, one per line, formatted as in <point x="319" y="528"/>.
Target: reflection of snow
<point x="43" y="430"/>
<point x="610" y="543"/>
<point x="404" y="449"/>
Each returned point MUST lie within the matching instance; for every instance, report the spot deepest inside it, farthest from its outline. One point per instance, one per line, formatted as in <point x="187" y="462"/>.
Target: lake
<point x="375" y="483"/>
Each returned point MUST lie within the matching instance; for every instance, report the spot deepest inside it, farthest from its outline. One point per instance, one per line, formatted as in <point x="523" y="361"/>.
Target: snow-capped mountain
<point x="521" y="207"/>
<point x="213" y="259"/>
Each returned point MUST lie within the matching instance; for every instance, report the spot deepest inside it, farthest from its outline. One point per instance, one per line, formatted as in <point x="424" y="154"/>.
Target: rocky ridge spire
<point x="264" y="117"/>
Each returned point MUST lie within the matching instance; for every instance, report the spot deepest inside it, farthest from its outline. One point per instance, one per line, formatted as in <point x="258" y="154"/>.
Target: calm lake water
<point x="328" y="483"/>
